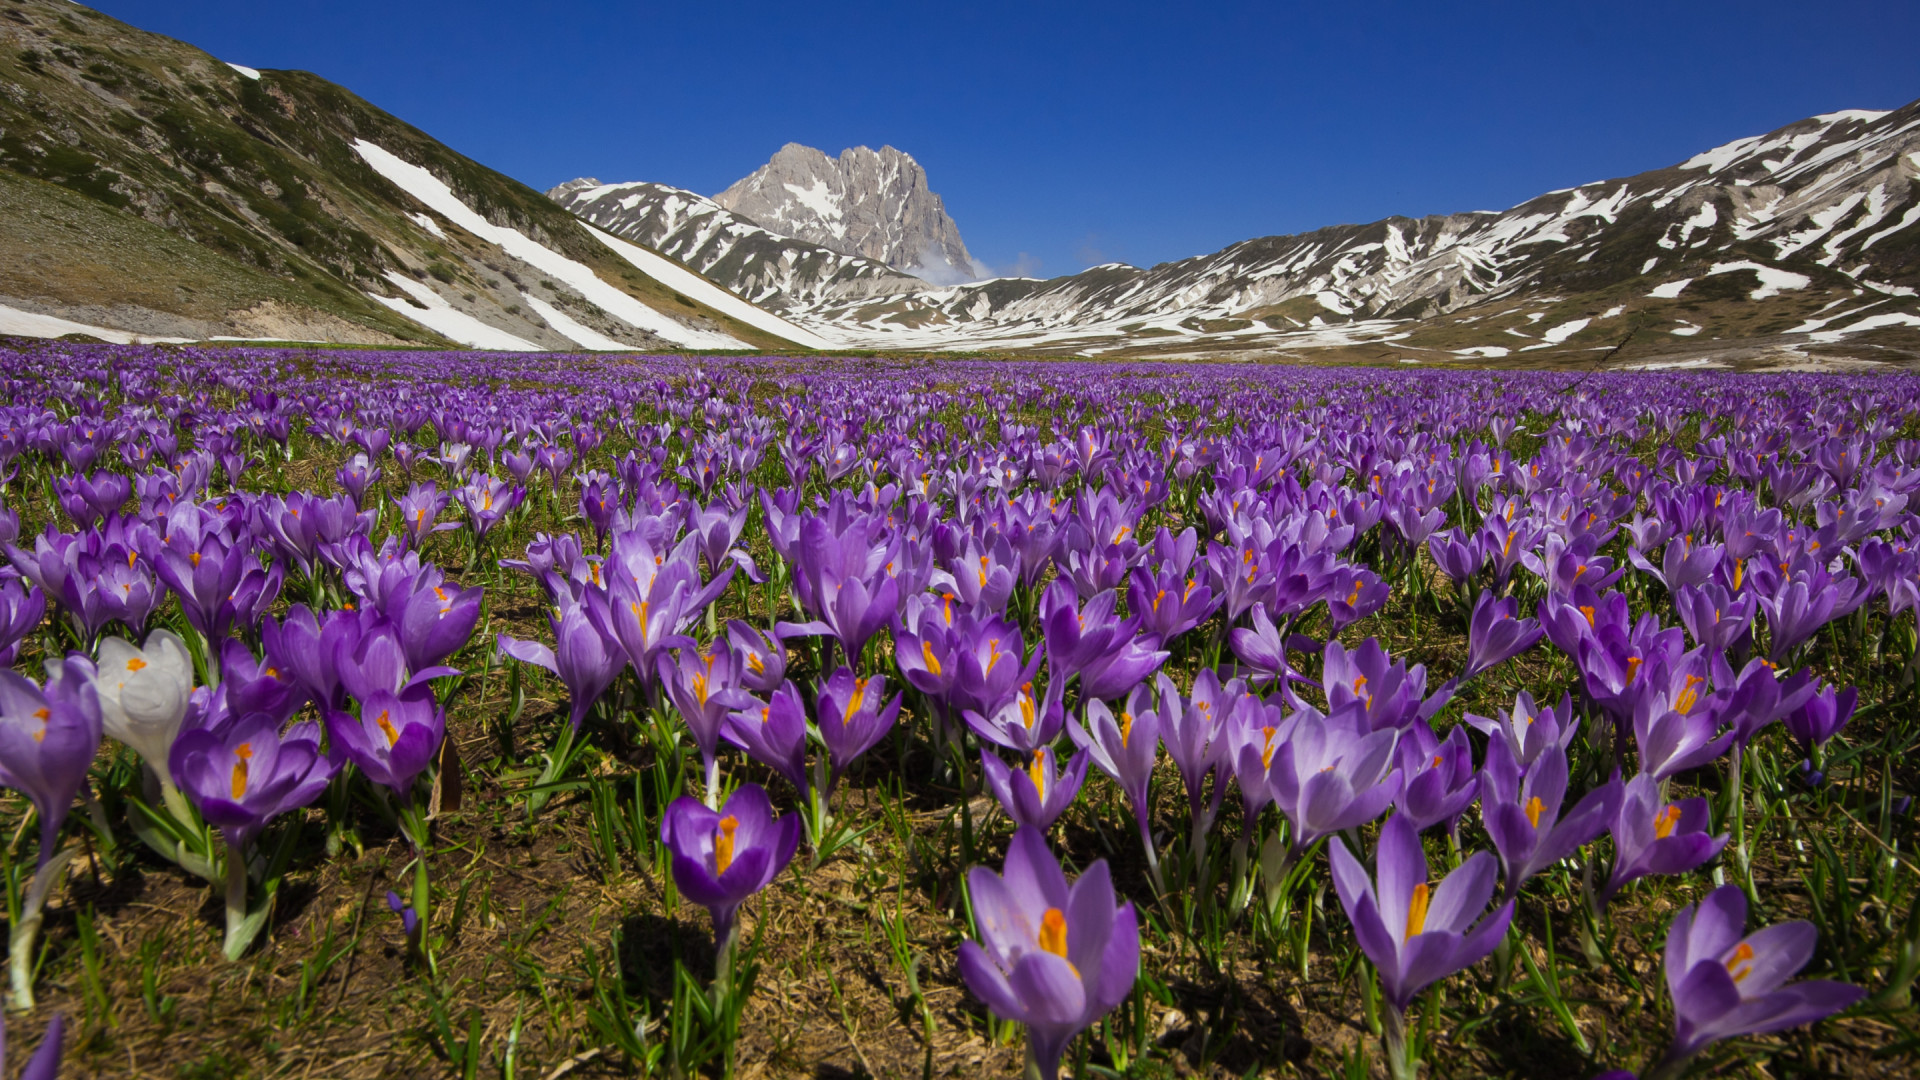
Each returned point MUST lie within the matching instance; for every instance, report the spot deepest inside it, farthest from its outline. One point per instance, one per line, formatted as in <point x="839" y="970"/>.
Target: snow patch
<point x="428" y="224"/>
<point x="250" y="73"/>
<point x="1671" y="289"/>
<point x="33" y="324"/>
<point x="1912" y="215"/>
<point x="1871" y="322"/>
<point x="816" y="197"/>
<point x="574" y="331"/>
<point x="1773" y="281"/>
<point x="1670" y="365"/>
<point x="1850" y="114"/>
<point x="437" y="196"/>
<point x="442" y="318"/>
<point x="1558" y="334"/>
<point x="692" y="285"/>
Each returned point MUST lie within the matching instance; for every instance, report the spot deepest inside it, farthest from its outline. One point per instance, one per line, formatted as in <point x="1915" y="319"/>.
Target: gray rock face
<point x="868" y="203"/>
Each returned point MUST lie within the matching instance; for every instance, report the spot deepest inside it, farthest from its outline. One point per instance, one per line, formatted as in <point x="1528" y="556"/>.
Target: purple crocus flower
<point x="1125" y="748"/>
<point x="763" y="656"/>
<point x="45" y="1063"/>
<point x="436" y="619"/>
<point x="299" y="525"/>
<point x="704" y="688"/>
<point x="1440" y="778"/>
<point x="1683" y="563"/>
<point x="1195" y="732"/>
<point x="21" y="611"/>
<point x="598" y="502"/>
<point x="1714" y="618"/>
<point x="586" y="660"/>
<point x="1368" y="683"/>
<point x="1804" y="604"/>
<point x="1255" y="733"/>
<point x="1094" y="645"/>
<point x="419" y="509"/>
<point x="1458" y="556"/>
<point x="356" y="476"/>
<point x="1528" y="729"/>
<point x="651" y="595"/>
<point x="204" y="567"/>
<point x="1022" y="725"/>
<point x="1495" y="635"/>
<point x="852" y="718"/>
<point x="1038" y="794"/>
<point x="1353" y="593"/>
<point x="85" y="501"/>
<point x="1333" y="774"/>
<point x="116" y="586"/>
<point x="1616" y="661"/>
<point x="1523" y="815"/>
<point x="1653" y="836"/>
<point x="1051" y="956"/>
<point x="409" y="918"/>
<point x="1167" y="604"/>
<point x="924" y="646"/>
<point x="987" y="657"/>
<point x="722" y="857"/>
<point x="718" y="530"/>
<point x="1260" y="648"/>
<point x="1725" y="985"/>
<point x="1759" y="696"/>
<point x="400" y="724"/>
<point x="1417" y="935"/>
<point x="842" y="580"/>
<point x="774" y="734"/>
<point x="245" y="776"/>
<point x="306" y="646"/>
<point x="48" y="737"/>
<point x="1822" y="716"/>
<point x="488" y="499"/>
<point x="1677" y="724"/>
<point x="253" y="685"/>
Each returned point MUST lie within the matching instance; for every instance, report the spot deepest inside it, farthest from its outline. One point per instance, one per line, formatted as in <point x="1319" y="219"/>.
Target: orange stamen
<point x="723" y="843"/>
<point x="1417" y="910"/>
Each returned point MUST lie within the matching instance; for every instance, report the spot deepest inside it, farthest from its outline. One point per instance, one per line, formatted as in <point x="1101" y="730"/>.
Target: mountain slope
<point x="1809" y="235"/>
<point x="259" y="187"/>
<point x="871" y="203"/>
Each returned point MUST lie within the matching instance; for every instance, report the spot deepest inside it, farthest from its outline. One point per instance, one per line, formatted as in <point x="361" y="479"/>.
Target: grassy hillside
<point x="243" y="191"/>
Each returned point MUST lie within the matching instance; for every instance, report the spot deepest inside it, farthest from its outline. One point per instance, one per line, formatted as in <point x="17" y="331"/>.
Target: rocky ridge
<point x="873" y="204"/>
<point x="1804" y="236"/>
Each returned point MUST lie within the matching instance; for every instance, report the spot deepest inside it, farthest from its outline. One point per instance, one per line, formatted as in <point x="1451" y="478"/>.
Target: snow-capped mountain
<point x="871" y="203"/>
<point x="778" y="272"/>
<point x="1807" y="234"/>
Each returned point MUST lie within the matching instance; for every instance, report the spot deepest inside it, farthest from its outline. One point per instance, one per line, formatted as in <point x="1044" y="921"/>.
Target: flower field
<point x="427" y="714"/>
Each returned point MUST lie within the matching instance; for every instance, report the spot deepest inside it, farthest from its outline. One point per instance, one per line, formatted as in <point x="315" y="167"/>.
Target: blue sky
<point x="1067" y="134"/>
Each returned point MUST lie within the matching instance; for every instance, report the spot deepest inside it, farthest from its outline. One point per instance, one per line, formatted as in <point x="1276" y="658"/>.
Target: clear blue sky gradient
<point x="1063" y="135"/>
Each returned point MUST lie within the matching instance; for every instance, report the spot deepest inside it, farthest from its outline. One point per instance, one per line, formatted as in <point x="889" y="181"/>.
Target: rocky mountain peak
<point x="874" y="204"/>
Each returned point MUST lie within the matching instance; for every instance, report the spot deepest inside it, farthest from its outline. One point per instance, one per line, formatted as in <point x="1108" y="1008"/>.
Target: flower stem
<point x="1394" y="1035"/>
<point x="27" y="931"/>
<point x="236" y="902"/>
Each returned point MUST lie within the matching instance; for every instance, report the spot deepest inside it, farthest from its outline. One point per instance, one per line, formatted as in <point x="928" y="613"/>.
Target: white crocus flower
<point x="144" y="694"/>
